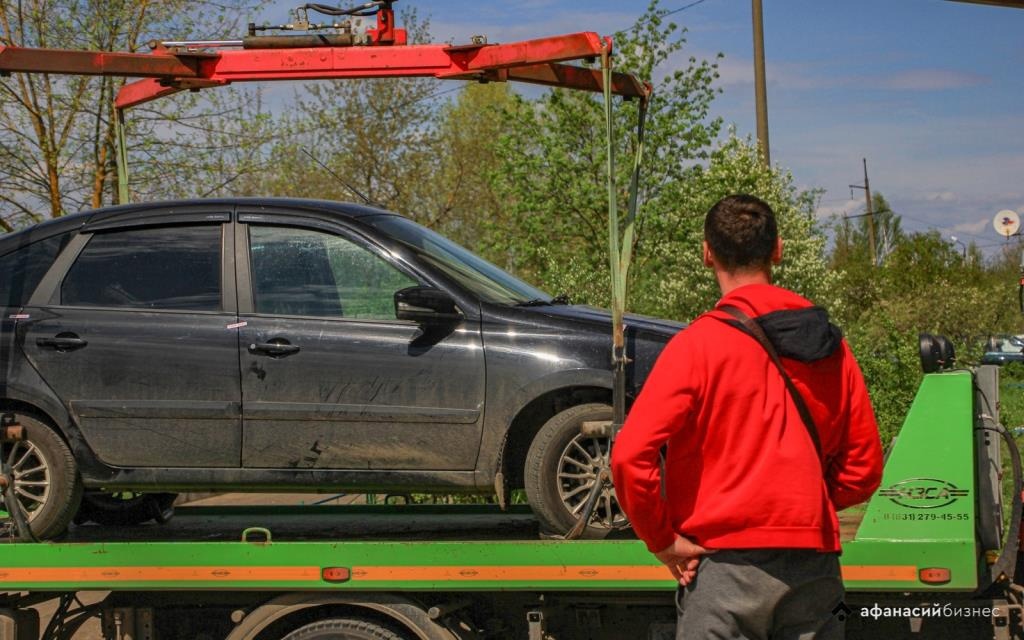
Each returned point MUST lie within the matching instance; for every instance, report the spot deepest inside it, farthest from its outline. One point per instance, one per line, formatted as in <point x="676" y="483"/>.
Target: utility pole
<point x="870" y="214"/>
<point x="760" y="87"/>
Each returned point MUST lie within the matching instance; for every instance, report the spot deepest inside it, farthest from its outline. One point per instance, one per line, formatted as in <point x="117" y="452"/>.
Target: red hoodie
<point x="741" y="470"/>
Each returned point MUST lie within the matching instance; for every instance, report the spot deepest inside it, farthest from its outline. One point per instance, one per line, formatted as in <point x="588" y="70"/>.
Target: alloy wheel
<point x="31" y="475"/>
<point x="579" y="468"/>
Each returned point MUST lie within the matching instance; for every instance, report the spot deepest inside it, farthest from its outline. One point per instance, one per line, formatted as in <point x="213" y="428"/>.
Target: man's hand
<point x="682" y="557"/>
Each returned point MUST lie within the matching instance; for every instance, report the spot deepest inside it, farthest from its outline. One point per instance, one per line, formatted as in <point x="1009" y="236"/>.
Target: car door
<point x="133" y="329"/>
<point x="330" y="378"/>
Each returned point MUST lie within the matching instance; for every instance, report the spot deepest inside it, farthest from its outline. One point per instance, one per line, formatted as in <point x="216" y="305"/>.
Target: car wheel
<point x="562" y="466"/>
<point x="125" y="508"/>
<point x="344" y="629"/>
<point x="46" y="478"/>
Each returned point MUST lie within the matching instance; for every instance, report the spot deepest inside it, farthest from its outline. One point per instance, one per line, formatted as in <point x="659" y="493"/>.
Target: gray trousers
<point x="762" y="594"/>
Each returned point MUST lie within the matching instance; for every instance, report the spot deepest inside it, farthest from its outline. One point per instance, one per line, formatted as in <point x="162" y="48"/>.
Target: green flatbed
<point x="925" y="545"/>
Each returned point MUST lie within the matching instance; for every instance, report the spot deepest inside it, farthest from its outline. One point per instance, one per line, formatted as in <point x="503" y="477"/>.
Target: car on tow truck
<point x="269" y="344"/>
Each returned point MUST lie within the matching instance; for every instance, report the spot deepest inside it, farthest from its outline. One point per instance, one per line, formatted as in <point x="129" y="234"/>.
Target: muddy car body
<point x="279" y="344"/>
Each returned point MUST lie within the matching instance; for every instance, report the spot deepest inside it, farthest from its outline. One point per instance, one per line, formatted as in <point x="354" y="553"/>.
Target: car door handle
<point x="275" y="348"/>
<point x="62" y="342"/>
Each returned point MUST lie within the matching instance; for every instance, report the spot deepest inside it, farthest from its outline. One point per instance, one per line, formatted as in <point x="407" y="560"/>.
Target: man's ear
<point x="709" y="260"/>
<point x="777" y="251"/>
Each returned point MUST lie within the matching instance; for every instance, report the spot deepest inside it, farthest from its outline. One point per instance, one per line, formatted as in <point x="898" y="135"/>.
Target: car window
<point x="484" y="279"/>
<point x="312" y="273"/>
<point x="24" y="267"/>
<point x="174" y="268"/>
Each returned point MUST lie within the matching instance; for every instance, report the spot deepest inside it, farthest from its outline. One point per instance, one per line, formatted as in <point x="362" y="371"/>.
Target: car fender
<point x="493" y="447"/>
<point x="601" y="378"/>
<point x="41" y="397"/>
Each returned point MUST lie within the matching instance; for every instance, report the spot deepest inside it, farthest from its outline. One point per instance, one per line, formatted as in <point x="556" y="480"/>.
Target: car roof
<point x="119" y="214"/>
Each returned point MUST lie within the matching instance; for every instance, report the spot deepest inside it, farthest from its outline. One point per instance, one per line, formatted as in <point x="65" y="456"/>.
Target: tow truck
<point x="933" y="555"/>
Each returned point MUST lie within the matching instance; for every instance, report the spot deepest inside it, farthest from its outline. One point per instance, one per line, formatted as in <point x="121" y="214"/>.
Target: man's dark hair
<point x="741" y="232"/>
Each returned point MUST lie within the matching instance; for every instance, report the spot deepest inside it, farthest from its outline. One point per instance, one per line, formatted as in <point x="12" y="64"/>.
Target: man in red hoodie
<point x="744" y="513"/>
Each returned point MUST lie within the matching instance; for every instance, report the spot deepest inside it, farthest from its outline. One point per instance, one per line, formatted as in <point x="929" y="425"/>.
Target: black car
<point x="271" y="344"/>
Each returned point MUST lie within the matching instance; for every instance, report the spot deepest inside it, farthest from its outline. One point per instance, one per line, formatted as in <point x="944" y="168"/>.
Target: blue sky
<point x="931" y="92"/>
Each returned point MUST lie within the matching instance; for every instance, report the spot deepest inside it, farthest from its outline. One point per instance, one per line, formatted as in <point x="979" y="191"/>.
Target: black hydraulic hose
<point x="368" y="9"/>
<point x="1006" y="564"/>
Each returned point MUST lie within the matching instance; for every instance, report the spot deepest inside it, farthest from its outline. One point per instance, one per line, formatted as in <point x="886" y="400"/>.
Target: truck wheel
<point x="344" y="629"/>
<point x="45" y="478"/>
<point x="125" y="508"/>
<point x="561" y="468"/>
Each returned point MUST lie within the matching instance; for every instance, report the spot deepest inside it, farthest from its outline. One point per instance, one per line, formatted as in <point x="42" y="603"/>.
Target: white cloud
<point x="972" y="228"/>
<point x="509" y="25"/>
<point x="941" y="196"/>
<point x="812" y="76"/>
<point x="927" y="80"/>
<point x="849" y="207"/>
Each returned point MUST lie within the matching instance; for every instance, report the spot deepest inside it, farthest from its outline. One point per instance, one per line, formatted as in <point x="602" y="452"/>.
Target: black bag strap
<point x="749" y="326"/>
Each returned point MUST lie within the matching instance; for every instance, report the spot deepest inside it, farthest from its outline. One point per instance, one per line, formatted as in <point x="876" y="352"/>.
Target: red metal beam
<point x="98" y="63"/>
<point x="575" y="46"/>
<point x="534" y="61"/>
<point x="571" y="77"/>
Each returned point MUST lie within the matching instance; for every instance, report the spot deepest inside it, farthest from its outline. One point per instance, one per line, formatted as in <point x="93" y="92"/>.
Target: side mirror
<point x="426" y="305"/>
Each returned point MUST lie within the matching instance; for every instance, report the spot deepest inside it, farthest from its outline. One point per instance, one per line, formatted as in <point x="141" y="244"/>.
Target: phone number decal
<point x="925" y="516"/>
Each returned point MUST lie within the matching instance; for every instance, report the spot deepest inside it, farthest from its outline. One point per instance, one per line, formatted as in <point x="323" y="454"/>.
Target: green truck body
<point x="920" y="540"/>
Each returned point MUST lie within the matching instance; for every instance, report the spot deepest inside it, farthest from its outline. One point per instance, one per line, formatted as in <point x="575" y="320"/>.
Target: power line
<point x="436" y="94"/>
<point x="683" y="8"/>
<point x="869" y="213"/>
<point x="931" y="226"/>
<point x="938" y="228"/>
<point x="1005" y="243"/>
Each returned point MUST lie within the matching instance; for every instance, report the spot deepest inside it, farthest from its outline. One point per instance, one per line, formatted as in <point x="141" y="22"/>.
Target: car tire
<point x="50" y="487"/>
<point x="344" y="629"/>
<point x="125" y="509"/>
<point x="560" y="468"/>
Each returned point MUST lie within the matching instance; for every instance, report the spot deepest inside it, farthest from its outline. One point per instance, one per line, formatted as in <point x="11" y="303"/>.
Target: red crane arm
<point x="166" y="71"/>
<point x="97" y="63"/>
<point x="536" y="61"/>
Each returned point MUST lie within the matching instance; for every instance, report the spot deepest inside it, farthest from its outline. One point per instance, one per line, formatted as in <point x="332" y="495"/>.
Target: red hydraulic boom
<point x="382" y="52"/>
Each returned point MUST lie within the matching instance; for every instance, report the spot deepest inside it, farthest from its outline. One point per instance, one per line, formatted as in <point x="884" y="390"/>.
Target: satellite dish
<point x="1006" y="223"/>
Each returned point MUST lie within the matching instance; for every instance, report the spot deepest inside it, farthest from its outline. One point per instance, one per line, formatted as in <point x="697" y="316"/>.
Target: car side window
<point x="24" y="267"/>
<point x="302" y="272"/>
<point x="176" y="268"/>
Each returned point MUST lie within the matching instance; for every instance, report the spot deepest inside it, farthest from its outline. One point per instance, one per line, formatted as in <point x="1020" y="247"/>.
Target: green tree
<point x="56" y="131"/>
<point x="463" y="200"/>
<point x="552" y="175"/>
<point x="376" y="138"/>
<point x="853" y="236"/>
<point x="671" y="280"/>
<point x="924" y="286"/>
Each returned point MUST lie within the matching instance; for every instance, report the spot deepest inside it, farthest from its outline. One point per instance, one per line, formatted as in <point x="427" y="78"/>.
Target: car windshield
<point x="488" y="282"/>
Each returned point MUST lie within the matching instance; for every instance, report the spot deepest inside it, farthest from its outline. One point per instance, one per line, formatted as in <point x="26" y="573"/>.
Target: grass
<point x="1011" y="415"/>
